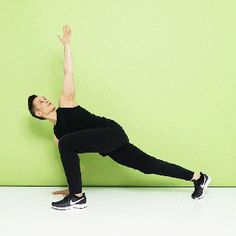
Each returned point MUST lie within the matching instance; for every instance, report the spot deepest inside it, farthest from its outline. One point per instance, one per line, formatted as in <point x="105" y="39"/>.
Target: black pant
<point x="111" y="140"/>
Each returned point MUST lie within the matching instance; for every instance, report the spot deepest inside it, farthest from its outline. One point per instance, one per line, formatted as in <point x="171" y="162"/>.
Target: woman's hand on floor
<point x="63" y="192"/>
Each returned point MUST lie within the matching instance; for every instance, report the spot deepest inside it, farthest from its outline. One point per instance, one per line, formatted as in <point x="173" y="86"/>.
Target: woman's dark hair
<point x="32" y="108"/>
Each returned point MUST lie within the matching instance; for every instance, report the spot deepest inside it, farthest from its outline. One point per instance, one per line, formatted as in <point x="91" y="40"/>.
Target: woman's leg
<point x="104" y="139"/>
<point x="131" y="156"/>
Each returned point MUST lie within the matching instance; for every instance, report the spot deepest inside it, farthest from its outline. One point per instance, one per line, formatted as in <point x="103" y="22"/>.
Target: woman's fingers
<point x="66" y="28"/>
<point x="66" y="35"/>
<point x="63" y="192"/>
<point x="56" y="192"/>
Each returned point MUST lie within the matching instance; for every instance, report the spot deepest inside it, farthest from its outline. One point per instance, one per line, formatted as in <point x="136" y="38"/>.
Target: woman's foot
<point x="200" y="186"/>
<point x="70" y="201"/>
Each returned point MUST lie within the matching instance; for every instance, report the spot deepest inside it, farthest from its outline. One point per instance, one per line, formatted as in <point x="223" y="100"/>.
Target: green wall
<point x="165" y="70"/>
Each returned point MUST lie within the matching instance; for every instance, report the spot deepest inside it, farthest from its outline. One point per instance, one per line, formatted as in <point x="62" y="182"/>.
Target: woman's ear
<point x="38" y="113"/>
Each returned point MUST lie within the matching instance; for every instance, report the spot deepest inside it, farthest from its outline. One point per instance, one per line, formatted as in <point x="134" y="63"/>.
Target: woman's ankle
<point x="79" y="194"/>
<point x="196" y="176"/>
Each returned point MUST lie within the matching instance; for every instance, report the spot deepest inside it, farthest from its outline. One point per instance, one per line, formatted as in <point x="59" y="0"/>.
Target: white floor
<point x="119" y="211"/>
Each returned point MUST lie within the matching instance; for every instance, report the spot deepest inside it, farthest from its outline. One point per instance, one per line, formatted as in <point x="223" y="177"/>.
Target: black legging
<point x="111" y="140"/>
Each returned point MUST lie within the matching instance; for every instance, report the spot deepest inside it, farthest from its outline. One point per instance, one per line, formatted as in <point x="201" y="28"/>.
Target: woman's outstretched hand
<point x="63" y="192"/>
<point x="65" y="40"/>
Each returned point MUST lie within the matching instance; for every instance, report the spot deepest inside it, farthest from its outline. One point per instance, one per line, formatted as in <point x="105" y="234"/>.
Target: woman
<point x="76" y="130"/>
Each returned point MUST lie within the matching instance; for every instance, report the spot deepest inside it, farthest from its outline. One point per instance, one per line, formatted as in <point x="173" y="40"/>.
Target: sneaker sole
<point x="81" y="206"/>
<point x="204" y="188"/>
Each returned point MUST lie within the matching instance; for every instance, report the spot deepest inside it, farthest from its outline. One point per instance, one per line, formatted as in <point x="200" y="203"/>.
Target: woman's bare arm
<point x="68" y="89"/>
<point x="55" y="140"/>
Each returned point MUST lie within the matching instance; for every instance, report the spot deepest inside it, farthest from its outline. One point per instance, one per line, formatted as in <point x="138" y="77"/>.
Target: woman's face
<point x="44" y="106"/>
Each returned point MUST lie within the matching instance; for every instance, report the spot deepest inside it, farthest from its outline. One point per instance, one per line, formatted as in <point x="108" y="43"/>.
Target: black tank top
<point x="70" y="119"/>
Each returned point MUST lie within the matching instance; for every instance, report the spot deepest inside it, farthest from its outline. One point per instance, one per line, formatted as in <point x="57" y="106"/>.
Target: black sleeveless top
<point x="70" y="119"/>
